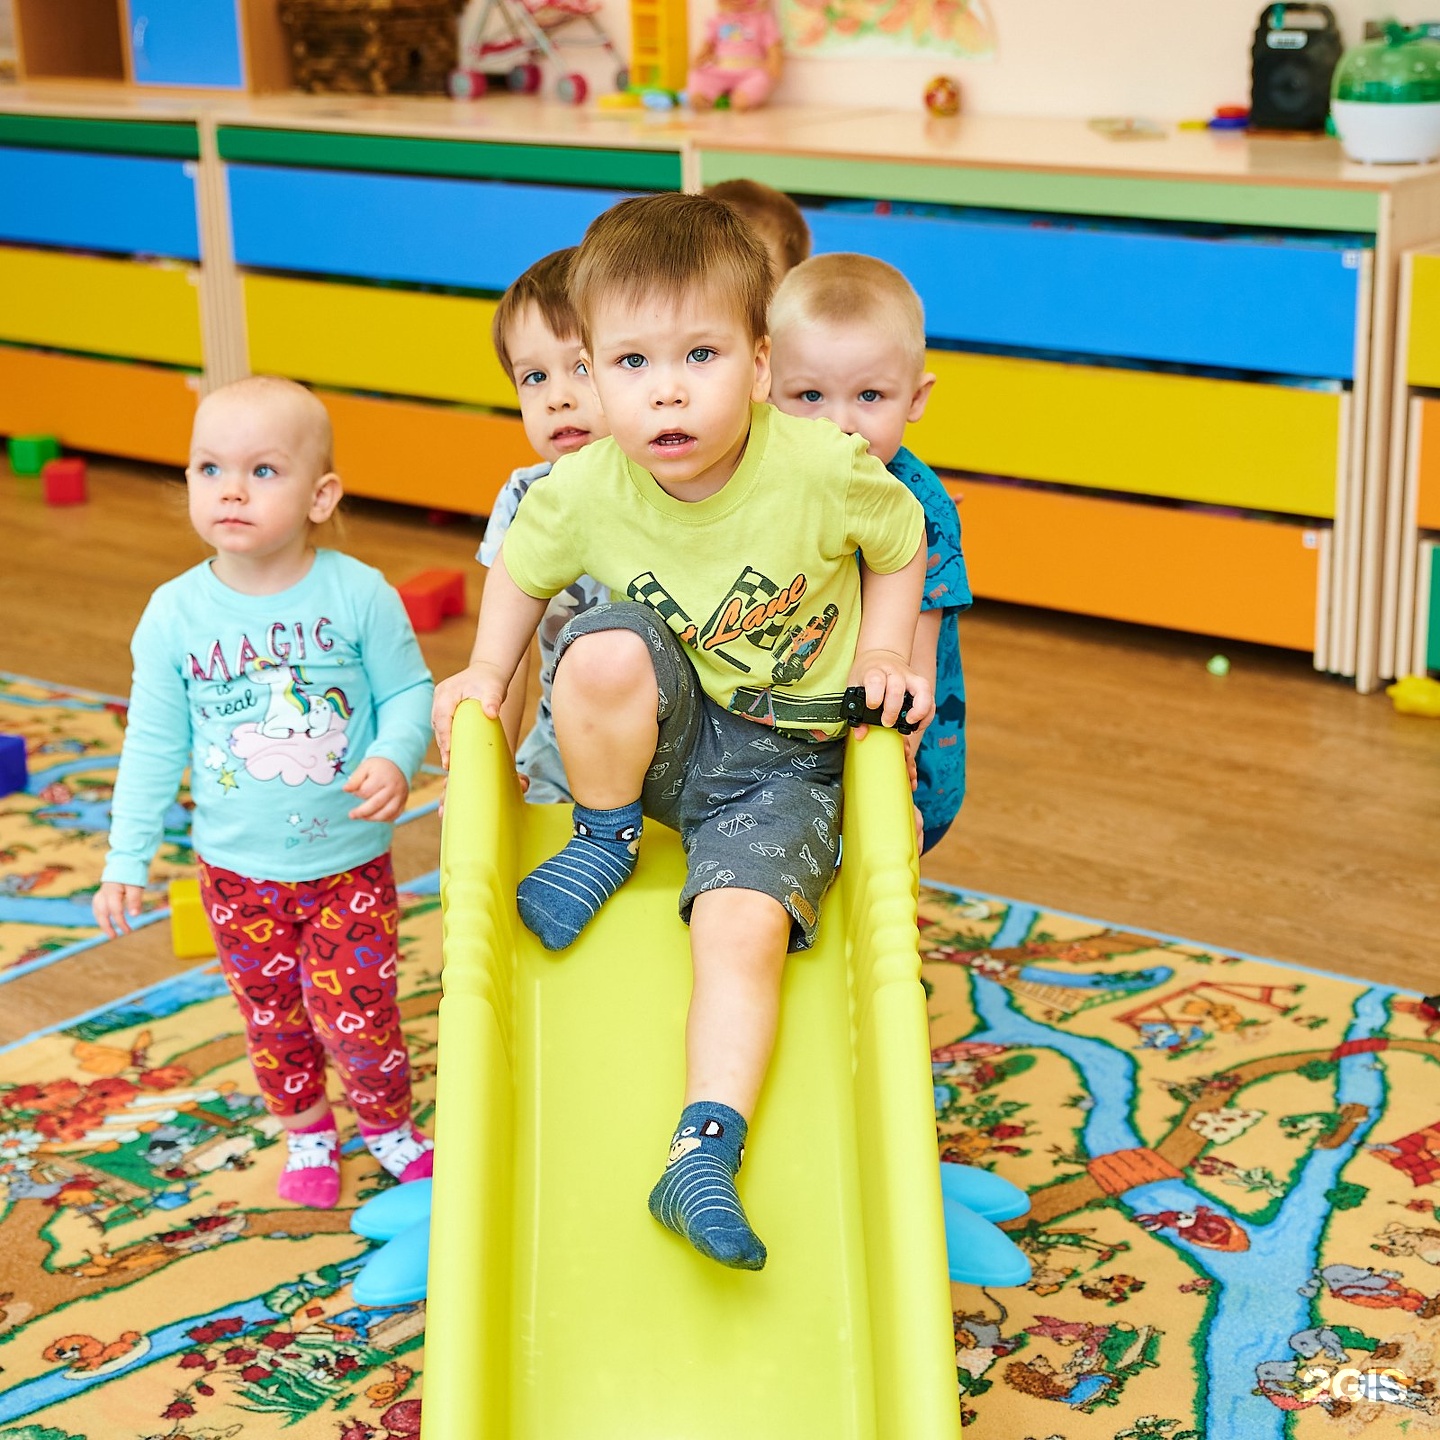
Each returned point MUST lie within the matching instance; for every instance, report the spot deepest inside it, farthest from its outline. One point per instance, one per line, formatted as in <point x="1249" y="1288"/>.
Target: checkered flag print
<point x="650" y="592"/>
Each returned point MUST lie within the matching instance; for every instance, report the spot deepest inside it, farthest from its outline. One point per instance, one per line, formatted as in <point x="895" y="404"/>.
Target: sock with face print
<point x="312" y="1166"/>
<point x="402" y="1152"/>
<point x="696" y="1195"/>
<point x="560" y="897"/>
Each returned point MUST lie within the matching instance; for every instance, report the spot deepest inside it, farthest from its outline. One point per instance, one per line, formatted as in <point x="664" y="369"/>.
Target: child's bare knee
<point x="607" y="663"/>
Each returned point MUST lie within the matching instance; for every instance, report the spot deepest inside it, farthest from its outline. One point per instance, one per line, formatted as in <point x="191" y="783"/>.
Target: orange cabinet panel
<point x="141" y="411"/>
<point x="1427" y="467"/>
<point x="1218" y="574"/>
<point x="439" y="456"/>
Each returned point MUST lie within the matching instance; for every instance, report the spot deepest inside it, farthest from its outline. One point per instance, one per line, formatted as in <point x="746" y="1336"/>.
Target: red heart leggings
<point x="312" y="964"/>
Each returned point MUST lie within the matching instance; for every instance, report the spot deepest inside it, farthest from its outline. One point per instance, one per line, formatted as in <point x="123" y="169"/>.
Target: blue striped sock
<point x="696" y="1196"/>
<point x="559" y="898"/>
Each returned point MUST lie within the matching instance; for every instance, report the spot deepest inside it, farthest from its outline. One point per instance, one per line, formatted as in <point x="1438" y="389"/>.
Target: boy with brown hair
<point x="537" y="341"/>
<point x="776" y="218"/>
<point x="849" y="346"/>
<point x="712" y="697"/>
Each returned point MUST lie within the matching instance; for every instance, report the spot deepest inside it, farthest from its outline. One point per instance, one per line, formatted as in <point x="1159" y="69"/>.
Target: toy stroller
<point x="512" y="37"/>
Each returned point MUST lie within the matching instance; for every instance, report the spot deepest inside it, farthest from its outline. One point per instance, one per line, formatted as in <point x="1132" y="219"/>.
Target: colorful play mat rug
<point x="1232" y="1165"/>
<point x="52" y="837"/>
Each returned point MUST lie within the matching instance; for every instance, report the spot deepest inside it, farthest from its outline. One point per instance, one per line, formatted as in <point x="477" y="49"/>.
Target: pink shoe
<point x="402" y="1152"/>
<point x="311" y="1175"/>
<point x="421" y="1168"/>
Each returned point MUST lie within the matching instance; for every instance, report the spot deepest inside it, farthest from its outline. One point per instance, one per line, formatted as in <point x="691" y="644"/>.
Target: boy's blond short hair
<point x="847" y="289"/>
<point x="545" y="285"/>
<point x="772" y="212"/>
<point x="307" y="406"/>
<point x="669" y="245"/>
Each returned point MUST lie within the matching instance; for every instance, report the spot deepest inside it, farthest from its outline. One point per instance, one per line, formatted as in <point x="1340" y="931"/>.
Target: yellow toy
<point x="659" y="45"/>
<point x="557" y="1306"/>
<point x="1416" y="695"/>
<point x="190" y="934"/>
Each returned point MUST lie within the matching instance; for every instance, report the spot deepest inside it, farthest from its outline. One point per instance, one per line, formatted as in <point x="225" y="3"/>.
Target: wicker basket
<point x="373" y="47"/>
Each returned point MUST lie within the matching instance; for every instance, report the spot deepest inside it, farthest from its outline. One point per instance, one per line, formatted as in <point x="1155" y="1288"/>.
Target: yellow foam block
<point x="189" y="930"/>
<point x="563" y="1311"/>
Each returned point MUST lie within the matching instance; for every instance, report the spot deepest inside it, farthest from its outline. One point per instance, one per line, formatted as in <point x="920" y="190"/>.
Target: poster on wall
<point x="889" y="27"/>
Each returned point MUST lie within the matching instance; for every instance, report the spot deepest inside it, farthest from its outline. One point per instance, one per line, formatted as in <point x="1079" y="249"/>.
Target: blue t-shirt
<point x="940" y="760"/>
<point x="272" y="701"/>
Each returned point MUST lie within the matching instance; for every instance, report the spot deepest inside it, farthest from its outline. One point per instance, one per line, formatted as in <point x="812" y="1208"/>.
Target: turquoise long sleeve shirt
<point x="272" y="701"/>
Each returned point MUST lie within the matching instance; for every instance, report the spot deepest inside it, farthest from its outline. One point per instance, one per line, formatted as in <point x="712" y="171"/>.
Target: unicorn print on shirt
<point x="300" y="737"/>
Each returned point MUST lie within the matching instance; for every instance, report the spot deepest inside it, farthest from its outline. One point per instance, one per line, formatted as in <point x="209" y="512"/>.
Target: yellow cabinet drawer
<point x="1185" y="437"/>
<point x="107" y="307"/>
<point x="1240" y="577"/>
<point x="141" y="411"/>
<point x="368" y="337"/>
<point x="1423" y="360"/>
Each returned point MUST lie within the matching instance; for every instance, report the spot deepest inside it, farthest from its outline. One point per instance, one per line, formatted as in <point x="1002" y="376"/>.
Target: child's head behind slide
<point x="849" y="346"/>
<point x="671" y="292"/>
<point x="776" y="218"/>
<point x="537" y="341"/>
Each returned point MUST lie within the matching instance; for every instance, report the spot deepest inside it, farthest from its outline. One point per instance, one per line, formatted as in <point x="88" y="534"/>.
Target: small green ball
<point x="1218" y="665"/>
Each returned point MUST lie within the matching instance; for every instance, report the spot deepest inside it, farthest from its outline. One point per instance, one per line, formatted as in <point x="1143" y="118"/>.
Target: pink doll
<point x="740" y="57"/>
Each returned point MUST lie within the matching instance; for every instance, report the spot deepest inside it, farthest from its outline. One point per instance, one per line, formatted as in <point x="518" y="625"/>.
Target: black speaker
<point x="1297" y="48"/>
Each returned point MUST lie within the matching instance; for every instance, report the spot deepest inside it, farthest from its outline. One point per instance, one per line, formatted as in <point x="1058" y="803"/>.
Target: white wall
<point x="1167" y="59"/>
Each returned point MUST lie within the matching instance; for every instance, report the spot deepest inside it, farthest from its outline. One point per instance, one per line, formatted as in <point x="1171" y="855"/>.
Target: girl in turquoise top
<point x="289" y="681"/>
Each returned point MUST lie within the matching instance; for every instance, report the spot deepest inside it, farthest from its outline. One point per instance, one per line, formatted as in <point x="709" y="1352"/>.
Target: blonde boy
<point x="848" y="336"/>
<point x="537" y="340"/>
<point x="711" y="697"/>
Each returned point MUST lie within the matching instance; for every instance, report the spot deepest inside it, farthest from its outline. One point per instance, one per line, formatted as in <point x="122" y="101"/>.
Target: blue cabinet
<point x="186" y="42"/>
<point x="1282" y="305"/>
<point x="475" y="234"/>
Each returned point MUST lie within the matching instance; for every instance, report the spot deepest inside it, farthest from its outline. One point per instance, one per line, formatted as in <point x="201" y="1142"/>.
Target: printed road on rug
<point x="1232" y="1167"/>
<point x="53" y="837"/>
<point x="1231" y="1162"/>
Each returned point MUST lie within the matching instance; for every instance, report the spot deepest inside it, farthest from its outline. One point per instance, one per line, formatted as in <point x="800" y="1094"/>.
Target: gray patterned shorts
<point x="757" y="809"/>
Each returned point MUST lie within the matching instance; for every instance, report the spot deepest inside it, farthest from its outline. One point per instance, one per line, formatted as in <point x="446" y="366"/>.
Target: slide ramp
<point x="558" y="1309"/>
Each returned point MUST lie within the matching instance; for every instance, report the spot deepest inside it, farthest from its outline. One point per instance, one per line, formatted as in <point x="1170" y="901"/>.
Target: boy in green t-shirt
<point x="710" y="699"/>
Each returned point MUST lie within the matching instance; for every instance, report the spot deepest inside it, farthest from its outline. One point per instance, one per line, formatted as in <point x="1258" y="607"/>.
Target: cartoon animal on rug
<point x="1201" y="1226"/>
<point x="1112" y="1289"/>
<point x="104" y="1114"/>
<point x="1373" y="1289"/>
<point x="1398" y="1239"/>
<point x="1305" y="1382"/>
<point x="1104" y="1358"/>
<point x="979" y="1342"/>
<point x="382" y="1392"/>
<point x="401" y="1422"/>
<point x="85" y="1355"/>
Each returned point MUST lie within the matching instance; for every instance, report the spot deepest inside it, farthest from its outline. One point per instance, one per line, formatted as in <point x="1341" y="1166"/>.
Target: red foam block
<point x="432" y="595"/>
<point x="64" y="482"/>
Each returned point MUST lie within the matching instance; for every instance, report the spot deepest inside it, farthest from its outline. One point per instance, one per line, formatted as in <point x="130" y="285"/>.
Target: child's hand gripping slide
<point x="857" y="712"/>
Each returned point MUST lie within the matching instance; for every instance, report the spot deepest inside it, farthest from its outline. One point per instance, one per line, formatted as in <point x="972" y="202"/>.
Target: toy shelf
<point x="205" y="44"/>
<point x="1183" y="353"/>
<point x="1412" y="594"/>
<point x="100" y="334"/>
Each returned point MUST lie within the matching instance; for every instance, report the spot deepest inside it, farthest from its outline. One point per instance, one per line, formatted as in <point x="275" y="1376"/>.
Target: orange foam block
<point x="432" y="596"/>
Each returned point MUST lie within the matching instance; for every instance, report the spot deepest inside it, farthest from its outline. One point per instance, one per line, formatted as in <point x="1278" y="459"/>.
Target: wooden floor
<point x="1271" y="811"/>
